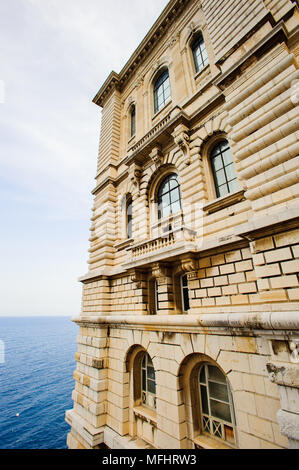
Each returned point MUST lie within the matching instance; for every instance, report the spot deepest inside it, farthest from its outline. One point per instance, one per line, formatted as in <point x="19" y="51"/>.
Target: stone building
<point x="189" y="330"/>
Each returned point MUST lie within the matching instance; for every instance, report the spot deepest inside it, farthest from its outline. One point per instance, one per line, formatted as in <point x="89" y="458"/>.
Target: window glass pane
<point x="163" y="189"/>
<point x="167" y="92"/>
<point x="216" y="374"/>
<point x="176" y="207"/>
<point x="224" y="145"/>
<point x="175" y="195"/>
<point x="169" y="197"/>
<point x="133" y="121"/>
<point x="222" y="191"/>
<point x="230" y="172"/>
<point x="217" y="163"/>
<point x="185" y="281"/>
<point x="165" y="199"/>
<point x="220" y="177"/>
<point x="186" y="299"/>
<point x="143" y="361"/>
<point x="218" y="391"/>
<point x="160" y="101"/>
<point x="204" y="399"/>
<point x="151" y="373"/>
<point x="173" y="182"/>
<point x="203" y="375"/>
<point x="227" y="157"/>
<point x="151" y="386"/>
<point x="220" y="410"/>
<point x="129" y="232"/>
<point x="161" y="90"/>
<point x="216" y="151"/>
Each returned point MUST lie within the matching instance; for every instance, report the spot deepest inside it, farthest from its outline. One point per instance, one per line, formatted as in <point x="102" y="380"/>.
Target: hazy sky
<point x="54" y="56"/>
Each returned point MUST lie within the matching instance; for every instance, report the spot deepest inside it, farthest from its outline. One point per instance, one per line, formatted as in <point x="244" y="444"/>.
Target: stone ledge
<point x="247" y="321"/>
<point x="93" y="436"/>
<point x="261" y="227"/>
<point x="103" y="435"/>
<point x="223" y="202"/>
<point x="206" y="442"/>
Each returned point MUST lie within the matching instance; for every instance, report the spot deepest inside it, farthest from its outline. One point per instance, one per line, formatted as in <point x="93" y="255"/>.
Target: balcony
<point x="167" y="245"/>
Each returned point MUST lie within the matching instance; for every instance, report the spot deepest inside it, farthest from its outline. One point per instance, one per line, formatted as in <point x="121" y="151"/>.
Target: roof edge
<point x="161" y="25"/>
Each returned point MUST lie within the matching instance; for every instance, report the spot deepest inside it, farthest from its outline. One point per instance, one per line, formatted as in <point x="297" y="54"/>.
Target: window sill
<point x="206" y="68"/>
<point x="131" y="140"/>
<point x="146" y="414"/>
<point x="124" y="244"/>
<point x="206" y="442"/>
<point x="223" y="202"/>
<point x="161" y="110"/>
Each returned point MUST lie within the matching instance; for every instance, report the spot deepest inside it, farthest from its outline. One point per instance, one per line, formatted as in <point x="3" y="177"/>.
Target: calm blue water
<point x="36" y="381"/>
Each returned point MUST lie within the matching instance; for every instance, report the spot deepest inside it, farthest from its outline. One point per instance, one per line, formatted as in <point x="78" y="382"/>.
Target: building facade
<point x="189" y="330"/>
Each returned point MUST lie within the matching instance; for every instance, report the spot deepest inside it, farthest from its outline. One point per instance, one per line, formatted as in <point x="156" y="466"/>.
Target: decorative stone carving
<point x="135" y="173"/>
<point x="137" y="277"/>
<point x="182" y="140"/>
<point x="139" y="81"/>
<point x="189" y="265"/>
<point x="157" y="156"/>
<point x="160" y="270"/>
<point x="173" y="40"/>
<point x="191" y="276"/>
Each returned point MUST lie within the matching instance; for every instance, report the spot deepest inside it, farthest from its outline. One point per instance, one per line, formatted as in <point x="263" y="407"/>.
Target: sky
<point x="54" y="56"/>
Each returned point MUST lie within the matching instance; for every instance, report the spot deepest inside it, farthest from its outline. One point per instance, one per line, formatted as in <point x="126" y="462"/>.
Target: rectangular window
<point x="185" y="293"/>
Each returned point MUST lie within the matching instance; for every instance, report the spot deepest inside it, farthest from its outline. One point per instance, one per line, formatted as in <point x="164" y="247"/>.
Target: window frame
<point x="184" y="288"/>
<point x="209" y="416"/>
<point x="195" y="44"/>
<point x="129" y="218"/>
<point x="146" y="363"/>
<point x="166" y="180"/>
<point x="217" y="186"/>
<point x="133" y="121"/>
<point x="161" y="86"/>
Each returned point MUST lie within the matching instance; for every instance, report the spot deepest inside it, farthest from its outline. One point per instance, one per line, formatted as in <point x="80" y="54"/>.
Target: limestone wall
<point x="243" y="357"/>
<point x="239" y="252"/>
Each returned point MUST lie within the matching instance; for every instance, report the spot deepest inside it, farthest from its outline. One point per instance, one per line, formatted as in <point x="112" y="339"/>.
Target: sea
<point x="37" y="361"/>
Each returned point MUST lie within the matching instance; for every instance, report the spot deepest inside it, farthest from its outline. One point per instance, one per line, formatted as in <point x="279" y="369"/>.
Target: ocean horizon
<point x="37" y="361"/>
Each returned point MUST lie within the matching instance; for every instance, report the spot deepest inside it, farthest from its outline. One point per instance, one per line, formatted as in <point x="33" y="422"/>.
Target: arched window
<point x="148" y="382"/>
<point x="162" y="93"/>
<point x="199" y="52"/>
<point x="216" y="407"/>
<point x="223" y="167"/>
<point x="133" y="121"/>
<point x="169" y="196"/>
<point x="129" y="217"/>
<point x="185" y="293"/>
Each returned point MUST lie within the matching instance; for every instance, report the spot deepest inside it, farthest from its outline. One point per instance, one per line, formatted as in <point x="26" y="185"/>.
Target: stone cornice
<point x="158" y="30"/>
<point x="261" y="227"/>
<point x="253" y="321"/>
